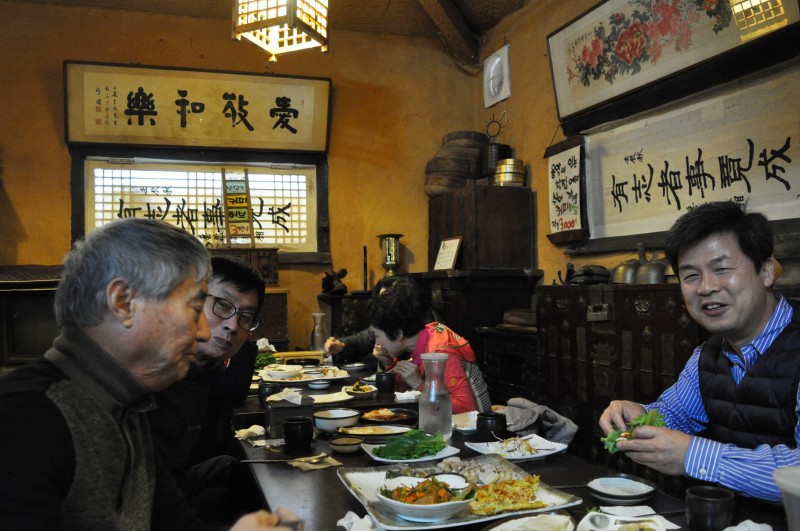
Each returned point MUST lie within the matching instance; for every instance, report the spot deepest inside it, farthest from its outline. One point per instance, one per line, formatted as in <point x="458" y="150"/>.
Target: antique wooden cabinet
<point x="603" y="342"/>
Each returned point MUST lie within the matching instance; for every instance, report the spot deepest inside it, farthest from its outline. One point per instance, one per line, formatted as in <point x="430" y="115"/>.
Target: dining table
<point x="321" y="499"/>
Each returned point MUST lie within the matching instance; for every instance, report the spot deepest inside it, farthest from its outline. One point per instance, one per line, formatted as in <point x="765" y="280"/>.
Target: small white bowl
<point x="370" y="391"/>
<point x="319" y="384"/>
<point x="331" y="420"/>
<point x="436" y="512"/>
<point x="346" y="445"/>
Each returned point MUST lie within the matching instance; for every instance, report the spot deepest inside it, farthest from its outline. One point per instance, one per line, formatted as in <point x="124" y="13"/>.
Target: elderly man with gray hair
<point x="76" y="450"/>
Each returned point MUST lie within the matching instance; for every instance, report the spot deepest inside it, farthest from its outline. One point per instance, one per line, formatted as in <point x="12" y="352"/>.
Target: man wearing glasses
<point x="192" y="425"/>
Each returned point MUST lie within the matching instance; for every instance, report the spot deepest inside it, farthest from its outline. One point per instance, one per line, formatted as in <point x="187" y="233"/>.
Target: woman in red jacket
<point x="397" y="318"/>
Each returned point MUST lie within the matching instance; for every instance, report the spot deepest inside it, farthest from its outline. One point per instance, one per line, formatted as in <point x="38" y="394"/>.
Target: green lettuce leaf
<point x="651" y="418"/>
<point x="411" y="445"/>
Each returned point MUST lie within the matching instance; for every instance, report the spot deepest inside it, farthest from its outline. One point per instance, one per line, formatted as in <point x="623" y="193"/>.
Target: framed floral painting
<point x="621" y="46"/>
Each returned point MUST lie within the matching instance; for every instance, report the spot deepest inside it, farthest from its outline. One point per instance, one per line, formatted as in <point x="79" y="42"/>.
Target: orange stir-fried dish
<point x="427" y="492"/>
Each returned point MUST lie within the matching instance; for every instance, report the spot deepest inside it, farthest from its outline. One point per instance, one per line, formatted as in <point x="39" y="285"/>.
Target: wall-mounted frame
<point x="154" y="106"/>
<point x="737" y="142"/>
<point x="448" y="254"/>
<point x="566" y="191"/>
<point x="602" y="60"/>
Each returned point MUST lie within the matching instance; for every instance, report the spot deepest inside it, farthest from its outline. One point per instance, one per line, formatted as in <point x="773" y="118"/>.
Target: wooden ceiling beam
<point x="453" y="30"/>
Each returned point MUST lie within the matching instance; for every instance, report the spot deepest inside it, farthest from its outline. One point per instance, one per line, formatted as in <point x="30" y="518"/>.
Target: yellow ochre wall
<point x="393" y="100"/>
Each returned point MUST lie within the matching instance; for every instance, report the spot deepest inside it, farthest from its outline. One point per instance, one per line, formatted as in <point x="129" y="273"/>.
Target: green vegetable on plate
<point x="651" y="418"/>
<point x="411" y="445"/>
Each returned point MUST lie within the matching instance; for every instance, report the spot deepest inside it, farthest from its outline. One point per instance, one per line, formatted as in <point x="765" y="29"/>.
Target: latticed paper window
<point x="756" y="17"/>
<point x="190" y="196"/>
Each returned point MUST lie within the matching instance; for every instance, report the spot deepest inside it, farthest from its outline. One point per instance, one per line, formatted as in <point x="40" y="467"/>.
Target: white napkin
<point x="352" y="522"/>
<point x="749" y="525"/>
<point x="406" y="395"/>
<point x="264" y="345"/>
<point x="290" y="395"/>
<point x="639" y="510"/>
<point x="253" y="431"/>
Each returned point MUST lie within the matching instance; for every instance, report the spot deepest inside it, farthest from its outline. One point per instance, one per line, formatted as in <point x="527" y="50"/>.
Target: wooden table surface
<point x="321" y="499"/>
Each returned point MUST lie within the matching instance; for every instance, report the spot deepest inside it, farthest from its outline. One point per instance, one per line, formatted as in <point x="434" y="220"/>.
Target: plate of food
<point x="519" y="448"/>
<point x="370" y="449"/>
<point x="596" y="521"/>
<point x="386" y="415"/>
<point x="555" y="521"/>
<point x="511" y="492"/>
<point x="375" y="434"/>
<point x="360" y="390"/>
<point x="621" y="489"/>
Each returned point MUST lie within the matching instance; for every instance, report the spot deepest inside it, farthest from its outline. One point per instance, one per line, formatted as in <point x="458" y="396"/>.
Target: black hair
<point x="384" y="283"/>
<point x="239" y="273"/>
<point x="402" y="307"/>
<point x="751" y="229"/>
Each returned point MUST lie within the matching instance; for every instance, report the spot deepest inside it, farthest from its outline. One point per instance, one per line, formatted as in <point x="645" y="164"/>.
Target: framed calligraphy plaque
<point x="566" y="195"/>
<point x="617" y="48"/>
<point x="448" y="254"/>
<point x="153" y="106"/>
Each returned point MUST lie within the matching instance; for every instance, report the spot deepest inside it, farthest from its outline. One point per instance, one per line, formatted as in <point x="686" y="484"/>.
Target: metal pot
<point x="625" y="273"/>
<point x="651" y="271"/>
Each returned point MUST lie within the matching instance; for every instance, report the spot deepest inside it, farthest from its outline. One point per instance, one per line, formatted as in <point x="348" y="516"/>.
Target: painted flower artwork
<point x="636" y="39"/>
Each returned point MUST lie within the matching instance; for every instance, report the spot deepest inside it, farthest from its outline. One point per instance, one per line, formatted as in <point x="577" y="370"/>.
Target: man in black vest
<point x="732" y="416"/>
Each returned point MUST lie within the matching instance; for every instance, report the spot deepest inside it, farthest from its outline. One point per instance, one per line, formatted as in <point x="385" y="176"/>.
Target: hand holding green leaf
<point x="651" y="418"/>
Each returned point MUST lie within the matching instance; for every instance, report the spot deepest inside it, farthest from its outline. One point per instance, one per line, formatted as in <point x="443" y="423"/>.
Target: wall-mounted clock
<point x="496" y="77"/>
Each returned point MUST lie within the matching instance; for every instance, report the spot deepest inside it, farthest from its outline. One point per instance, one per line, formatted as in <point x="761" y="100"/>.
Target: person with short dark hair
<point x="192" y="424"/>
<point x="360" y="346"/>
<point x="732" y="416"/>
<point x="398" y="319"/>
<point x="77" y="451"/>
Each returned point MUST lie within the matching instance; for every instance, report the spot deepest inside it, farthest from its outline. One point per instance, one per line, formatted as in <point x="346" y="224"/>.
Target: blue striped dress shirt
<point x="745" y="470"/>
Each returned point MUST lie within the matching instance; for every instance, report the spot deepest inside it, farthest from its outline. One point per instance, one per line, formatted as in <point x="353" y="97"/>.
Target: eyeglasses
<point x="224" y="309"/>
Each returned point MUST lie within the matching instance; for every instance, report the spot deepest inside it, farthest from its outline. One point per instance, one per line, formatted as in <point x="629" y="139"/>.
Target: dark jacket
<point x="76" y="449"/>
<point x="761" y="408"/>
<point x="193" y="419"/>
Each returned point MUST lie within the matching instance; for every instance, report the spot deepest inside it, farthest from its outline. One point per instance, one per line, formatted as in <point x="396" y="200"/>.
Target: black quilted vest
<point x="761" y="409"/>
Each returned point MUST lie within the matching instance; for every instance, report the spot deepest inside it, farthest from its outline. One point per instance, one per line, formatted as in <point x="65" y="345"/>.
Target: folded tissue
<point x="290" y="395"/>
<point x="253" y="431"/>
<point x="406" y="396"/>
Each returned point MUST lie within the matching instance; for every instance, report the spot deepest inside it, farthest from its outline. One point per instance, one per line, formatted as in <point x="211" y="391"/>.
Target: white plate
<point x="539" y="522"/>
<point x="445" y="452"/>
<point x="363" y="483"/>
<point x="607" y="522"/>
<point x="543" y="446"/>
<point x="465" y="422"/>
<point x="375" y="431"/>
<point x="341" y="396"/>
<point x="622" y="489"/>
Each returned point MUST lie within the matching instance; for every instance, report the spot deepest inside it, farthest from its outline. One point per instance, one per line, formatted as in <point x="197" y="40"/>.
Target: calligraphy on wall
<point x="738" y="143"/>
<point x="143" y="105"/>
<point x="566" y="200"/>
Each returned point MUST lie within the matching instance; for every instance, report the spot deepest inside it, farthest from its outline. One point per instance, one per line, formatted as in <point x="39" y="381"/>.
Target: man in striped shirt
<point x="732" y="416"/>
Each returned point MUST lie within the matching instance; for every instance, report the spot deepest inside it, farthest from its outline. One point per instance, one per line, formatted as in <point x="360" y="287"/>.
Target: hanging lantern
<point x="281" y="26"/>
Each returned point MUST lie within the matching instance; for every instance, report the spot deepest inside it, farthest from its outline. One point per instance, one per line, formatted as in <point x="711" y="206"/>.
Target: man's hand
<point x="659" y="448"/>
<point x="410" y="373"/>
<point x="332" y="346"/>
<point x="618" y="414"/>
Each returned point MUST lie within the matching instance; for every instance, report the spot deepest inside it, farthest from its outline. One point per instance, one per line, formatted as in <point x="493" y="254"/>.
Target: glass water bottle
<point x="435" y="404"/>
<point x="318" y="334"/>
